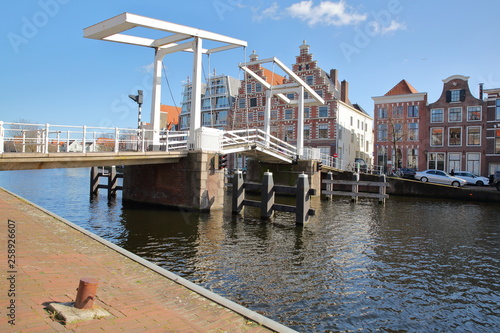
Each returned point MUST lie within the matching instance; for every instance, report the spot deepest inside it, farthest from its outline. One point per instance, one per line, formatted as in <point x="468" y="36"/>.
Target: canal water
<point x="413" y="265"/>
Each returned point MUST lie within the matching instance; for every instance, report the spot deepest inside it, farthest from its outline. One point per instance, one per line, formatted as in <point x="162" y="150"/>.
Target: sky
<point x="50" y="73"/>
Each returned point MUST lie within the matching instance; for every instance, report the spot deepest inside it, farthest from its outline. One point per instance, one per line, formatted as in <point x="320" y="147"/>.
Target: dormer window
<point x="457" y="95"/>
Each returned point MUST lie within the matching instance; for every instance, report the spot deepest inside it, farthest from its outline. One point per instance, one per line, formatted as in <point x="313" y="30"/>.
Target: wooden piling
<point x="303" y="200"/>
<point x="267" y="199"/>
<point x="94" y="181"/>
<point x="238" y="191"/>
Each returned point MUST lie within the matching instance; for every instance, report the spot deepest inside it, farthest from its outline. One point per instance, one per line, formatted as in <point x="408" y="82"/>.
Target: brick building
<point x="456" y="137"/>
<point x="338" y="127"/>
<point x="493" y="130"/>
<point x="397" y="127"/>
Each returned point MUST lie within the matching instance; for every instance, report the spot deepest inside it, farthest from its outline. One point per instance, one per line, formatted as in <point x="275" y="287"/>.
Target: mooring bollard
<point x="267" y="201"/>
<point x="303" y="200"/>
<point x="238" y="191"/>
<point x="86" y="293"/>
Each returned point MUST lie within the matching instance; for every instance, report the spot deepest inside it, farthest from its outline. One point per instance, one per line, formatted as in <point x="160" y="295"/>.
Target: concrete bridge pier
<point x="194" y="183"/>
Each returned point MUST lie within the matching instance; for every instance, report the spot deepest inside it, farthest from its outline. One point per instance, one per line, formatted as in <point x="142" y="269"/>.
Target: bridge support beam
<point x="192" y="184"/>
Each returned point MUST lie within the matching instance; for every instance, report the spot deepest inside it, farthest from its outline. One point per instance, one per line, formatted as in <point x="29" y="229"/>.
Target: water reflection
<point x="410" y="265"/>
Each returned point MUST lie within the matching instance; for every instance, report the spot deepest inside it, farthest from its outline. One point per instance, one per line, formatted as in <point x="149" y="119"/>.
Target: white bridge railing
<point x="46" y="138"/>
<point x="239" y="139"/>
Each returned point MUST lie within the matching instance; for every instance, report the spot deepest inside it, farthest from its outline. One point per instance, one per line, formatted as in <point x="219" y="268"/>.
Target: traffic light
<point x="222" y="161"/>
<point x="137" y="98"/>
<point x="319" y="165"/>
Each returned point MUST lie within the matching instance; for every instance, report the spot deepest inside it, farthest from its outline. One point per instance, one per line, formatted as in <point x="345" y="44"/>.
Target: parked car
<point x="407" y="173"/>
<point x="440" y="177"/>
<point x="363" y="167"/>
<point x="471" y="178"/>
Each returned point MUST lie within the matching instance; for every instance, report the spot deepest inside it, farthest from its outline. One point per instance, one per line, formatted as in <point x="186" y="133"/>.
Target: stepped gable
<point x="402" y="88"/>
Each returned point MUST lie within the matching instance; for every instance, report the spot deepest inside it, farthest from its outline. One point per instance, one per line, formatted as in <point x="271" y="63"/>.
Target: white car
<point x="440" y="177"/>
<point x="471" y="178"/>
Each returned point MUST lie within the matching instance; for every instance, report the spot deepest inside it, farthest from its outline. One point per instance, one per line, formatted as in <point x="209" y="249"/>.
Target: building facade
<point x="397" y="127"/>
<point x="216" y="101"/>
<point x="448" y="134"/>
<point x="456" y="129"/>
<point x="338" y="128"/>
<point x="493" y="130"/>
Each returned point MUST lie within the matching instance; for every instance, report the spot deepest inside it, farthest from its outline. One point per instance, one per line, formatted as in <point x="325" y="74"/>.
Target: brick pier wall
<point x="193" y="183"/>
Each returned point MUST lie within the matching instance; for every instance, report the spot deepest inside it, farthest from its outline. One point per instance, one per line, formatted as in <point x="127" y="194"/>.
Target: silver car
<point x="440" y="177"/>
<point x="471" y="178"/>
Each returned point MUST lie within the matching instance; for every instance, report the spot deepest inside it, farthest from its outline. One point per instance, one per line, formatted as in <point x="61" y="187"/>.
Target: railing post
<point x="84" y="138"/>
<point x="46" y="138"/>
<point x="238" y="191"/>
<point x="143" y="138"/>
<point x="117" y="133"/>
<point x="24" y="141"/>
<point x="67" y="142"/>
<point x="267" y="199"/>
<point x="58" y="145"/>
<point x="2" y="133"/>
<point x="167" y="140"/>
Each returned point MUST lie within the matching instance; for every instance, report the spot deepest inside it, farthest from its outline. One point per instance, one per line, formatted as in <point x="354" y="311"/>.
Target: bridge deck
<point x="27" y="161"/>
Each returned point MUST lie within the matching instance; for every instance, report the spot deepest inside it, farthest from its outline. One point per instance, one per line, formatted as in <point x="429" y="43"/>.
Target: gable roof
<point x="402" y="88"/>
<point x="271" y="76"/>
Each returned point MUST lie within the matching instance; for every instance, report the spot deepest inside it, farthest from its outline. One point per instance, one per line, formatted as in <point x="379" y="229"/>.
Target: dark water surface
<point x="413" y="265"/>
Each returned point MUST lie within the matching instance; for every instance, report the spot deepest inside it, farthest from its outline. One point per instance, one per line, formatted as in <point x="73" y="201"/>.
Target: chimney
<point x="254" y="56"/>
<point x="334" y="74"/>
<point x="344" y="91"/>
<point x="481" y="91"/>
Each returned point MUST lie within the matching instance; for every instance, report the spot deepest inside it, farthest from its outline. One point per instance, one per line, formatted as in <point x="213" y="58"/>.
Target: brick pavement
<point x="51" y="257"/>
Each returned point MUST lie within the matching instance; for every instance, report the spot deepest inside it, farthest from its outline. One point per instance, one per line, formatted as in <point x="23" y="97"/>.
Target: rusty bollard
<point x="86" y="293"/>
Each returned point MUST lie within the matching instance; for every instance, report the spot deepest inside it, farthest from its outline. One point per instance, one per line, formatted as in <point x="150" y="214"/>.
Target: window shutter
<point x="448" y="96"/>
<point x="462" y="95"/>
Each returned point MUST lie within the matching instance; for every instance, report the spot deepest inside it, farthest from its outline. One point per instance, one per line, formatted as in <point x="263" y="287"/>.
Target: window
<point x="289" y="133"/>
<point x="358" y="123"/>
<point x="497" y="141"/>
<point x="473" y="113"/>
<point x="319" y="92"/>
<point x="253" y="102"/>
<point x="382" y="113"/>
<point x="413" y="131"/>
<point x="455" y="114"/>
<point x="454" y="161"/>
<point x="473" y="136"/>
<point x="323" y="131"/>
<point x="497" y="109"/>
<point x="397" y="112"/>
<point x="249" y="88"/>
<point x="412" y="158"/>
<point x="307" y="132"/>
<point x="307" y="112"/>
<point x="310" y="80"/>
<point x="241" y="103"/>
<point x="323" y="111"/>
<point x="290" y="96"/>
<point x="288" y="113"/>
<point x="221" y="118"/>
<point x="260" y="116"/>
<point x="382" y="132"/>
<point x="258" y="87"/>
<point x="274" y="114"/>
<point x="250" y="116"/>
<point x="455" y="136"/>
<point x="413" y="111"/>
<point x="457" y="95"/>
<point x="436" y="161"/>
<point x="473" y="163"/>
<point x="352" y="121"/>
<point x="398" y="132"/>
<point x="436" y="137"/>
<point x="436" y="115"/>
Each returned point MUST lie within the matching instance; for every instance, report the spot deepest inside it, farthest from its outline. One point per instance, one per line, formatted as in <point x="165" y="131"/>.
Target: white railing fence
<point x="257" y="137"/>
<point x="47" y="138"/>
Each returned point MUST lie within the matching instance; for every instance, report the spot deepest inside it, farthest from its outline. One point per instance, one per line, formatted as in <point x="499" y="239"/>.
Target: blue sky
<point x="51" y="74"/>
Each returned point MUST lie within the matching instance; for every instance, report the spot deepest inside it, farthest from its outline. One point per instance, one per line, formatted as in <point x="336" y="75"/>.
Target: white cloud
<point x="272" y="12"/>
<point x="393" y="26"/>
<point x="326" y="12"/>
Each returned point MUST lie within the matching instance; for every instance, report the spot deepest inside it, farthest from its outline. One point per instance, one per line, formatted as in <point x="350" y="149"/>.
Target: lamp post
<point x="138" y="99"/>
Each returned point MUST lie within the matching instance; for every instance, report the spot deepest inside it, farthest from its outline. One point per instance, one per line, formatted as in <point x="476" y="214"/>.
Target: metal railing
<point x="47" y="138"/>
<point x="257" y="138"/>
